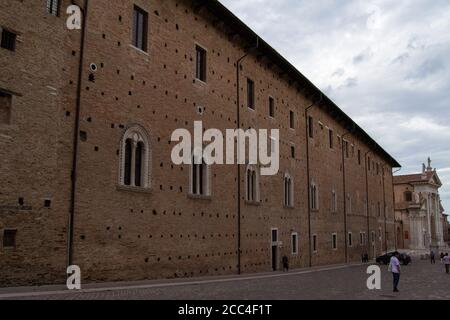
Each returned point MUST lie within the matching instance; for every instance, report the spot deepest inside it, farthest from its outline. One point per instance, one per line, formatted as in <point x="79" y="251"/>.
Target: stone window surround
<point x="137" y="134"/>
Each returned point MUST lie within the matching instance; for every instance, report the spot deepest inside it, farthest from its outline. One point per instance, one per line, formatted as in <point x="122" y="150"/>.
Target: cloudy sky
<point x="385" y="63"/>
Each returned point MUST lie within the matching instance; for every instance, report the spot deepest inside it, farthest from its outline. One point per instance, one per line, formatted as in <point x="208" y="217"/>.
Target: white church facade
<point x="418" y="211"/>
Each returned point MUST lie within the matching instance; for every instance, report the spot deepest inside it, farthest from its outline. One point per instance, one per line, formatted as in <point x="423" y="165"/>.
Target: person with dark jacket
<point x="432" y="257"/>
<point x="285" y="264"/>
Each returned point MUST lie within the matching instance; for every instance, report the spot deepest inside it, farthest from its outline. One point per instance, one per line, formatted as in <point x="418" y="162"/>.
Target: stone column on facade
<point x="429" y="220"/>
<point x="439" y="231"/>
<point x="421" y="223"/>
<point x="413" y="227"/>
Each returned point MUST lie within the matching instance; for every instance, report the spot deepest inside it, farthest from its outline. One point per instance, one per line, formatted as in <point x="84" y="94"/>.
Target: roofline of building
<point x="239" y="27"/>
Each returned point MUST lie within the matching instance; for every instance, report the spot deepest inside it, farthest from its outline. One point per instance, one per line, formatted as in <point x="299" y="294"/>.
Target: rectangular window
<point x="406" y="235"/>
<point x="5" y="108"/>
<point x="362" y="238"/>
<point x="8" y="40"/>
<point x="379" y="209"/>
<point x="140" y="28"/>
<point x="274" y="235"/>
<point x="350" y="239"/>
<point x="334" y="241"/>
<point x="53" y="7"/>
<point x="368" y="164"/>
<point x="311" y="127"/>
<point x="331" y="138"/>
<point x="271" y="107"/>
<point x="294" y="243"/>
<point x="314" y="243"/>
<point x="250" y="94"/>
<point x="359" y="157"/>
<point x="9" y="238"/>
<point x="200" y="70"/>
<point x="293" y="152"/>
<point x="292" y="120"/>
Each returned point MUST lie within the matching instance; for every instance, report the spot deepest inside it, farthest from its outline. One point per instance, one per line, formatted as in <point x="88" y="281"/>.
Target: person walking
<point x="394" y="268"/>
<point x="432" y="257"/>
<point x="285" y="264"/>
<point x="446" y="261"/>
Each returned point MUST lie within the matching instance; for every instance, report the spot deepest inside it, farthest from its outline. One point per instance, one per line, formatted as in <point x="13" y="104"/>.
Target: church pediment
<point x="435" y="179"/>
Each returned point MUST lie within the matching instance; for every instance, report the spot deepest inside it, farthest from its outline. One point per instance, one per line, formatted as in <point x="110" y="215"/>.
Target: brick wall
<point x="122" y="234"/>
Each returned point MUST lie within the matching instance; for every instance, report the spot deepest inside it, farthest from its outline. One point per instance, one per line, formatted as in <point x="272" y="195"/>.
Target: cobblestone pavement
<point x="421" y="280"/>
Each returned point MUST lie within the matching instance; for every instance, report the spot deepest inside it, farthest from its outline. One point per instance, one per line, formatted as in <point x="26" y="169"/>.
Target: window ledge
<point x="314" y="210"/>
<point x="200" y="82"/>
<point x="199" y="197"/>
<point x="288" y="207"/>
<point x="253" y="203"/>
<point x="133" y="189"/>
<point x="140" y="50"/>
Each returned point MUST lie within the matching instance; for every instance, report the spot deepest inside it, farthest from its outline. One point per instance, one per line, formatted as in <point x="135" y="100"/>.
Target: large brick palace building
<point x="86" y="177"/>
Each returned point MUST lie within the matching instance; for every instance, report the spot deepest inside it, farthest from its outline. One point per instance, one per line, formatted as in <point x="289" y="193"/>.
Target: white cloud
<point x="385" y="63"/>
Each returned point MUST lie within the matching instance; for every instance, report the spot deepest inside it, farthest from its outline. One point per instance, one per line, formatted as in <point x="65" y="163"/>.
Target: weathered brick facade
<point x="163" y="232"/>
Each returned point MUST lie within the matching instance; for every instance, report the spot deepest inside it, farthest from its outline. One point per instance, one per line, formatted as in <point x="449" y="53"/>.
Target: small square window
<point x="9" y="238"/>
<point x="8" y="40"/>
<point x="47" y="203"/>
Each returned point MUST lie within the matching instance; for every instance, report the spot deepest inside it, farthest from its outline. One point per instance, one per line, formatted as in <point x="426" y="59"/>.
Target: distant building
<point x="419" y="212"/>
<point x="446" y="226"/>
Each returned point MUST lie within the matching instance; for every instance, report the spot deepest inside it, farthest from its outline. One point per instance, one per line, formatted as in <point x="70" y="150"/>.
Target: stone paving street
<point x="421" y="280"/>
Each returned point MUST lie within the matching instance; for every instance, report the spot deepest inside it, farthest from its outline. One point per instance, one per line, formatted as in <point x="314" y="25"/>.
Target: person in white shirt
<point x="394" y="267"/>
<point x="446" y="261"/>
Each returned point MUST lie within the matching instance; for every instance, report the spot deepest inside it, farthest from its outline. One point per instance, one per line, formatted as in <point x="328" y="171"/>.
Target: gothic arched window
<point x="288" y="191"/>
<point x="135" y="158"/>
<point x="252" y="184"/>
